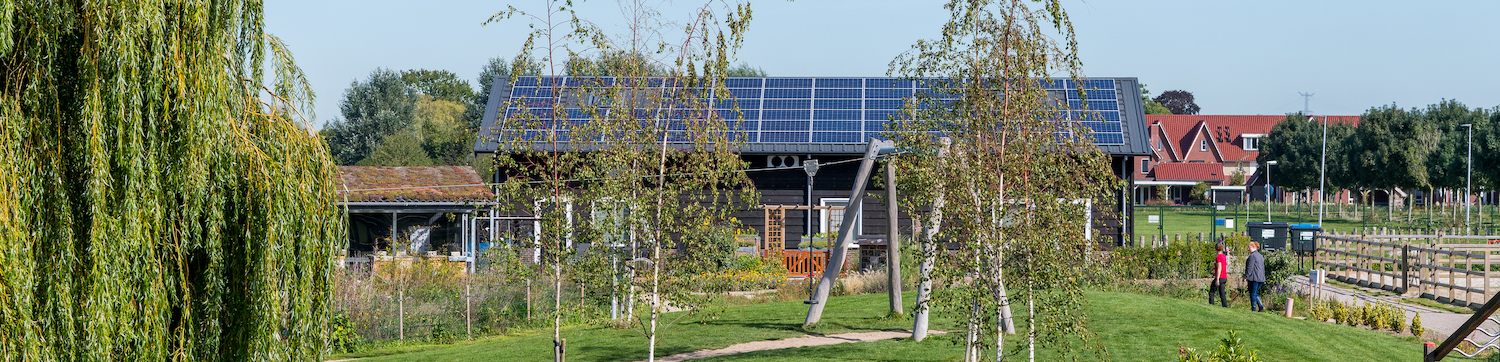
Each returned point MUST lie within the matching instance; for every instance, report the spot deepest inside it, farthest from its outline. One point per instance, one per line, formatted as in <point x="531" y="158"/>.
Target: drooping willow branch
<point x="159" y="199"/>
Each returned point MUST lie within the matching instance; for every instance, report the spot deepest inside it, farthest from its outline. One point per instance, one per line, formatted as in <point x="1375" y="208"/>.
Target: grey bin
<point x="1302" y="236"/>
<point x="1270" y="235"/>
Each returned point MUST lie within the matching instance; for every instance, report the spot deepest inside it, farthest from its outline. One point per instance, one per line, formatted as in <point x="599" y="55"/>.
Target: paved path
<point x="803" y="341"/>
<point x="1434" y="320"/>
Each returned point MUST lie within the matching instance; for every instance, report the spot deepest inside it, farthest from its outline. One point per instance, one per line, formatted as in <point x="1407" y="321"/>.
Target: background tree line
<point x="426" y="117"/>
<point x="1390" y="147"/>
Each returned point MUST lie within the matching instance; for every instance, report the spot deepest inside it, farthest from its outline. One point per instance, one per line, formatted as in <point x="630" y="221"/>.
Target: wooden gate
<point x="804" y="263"/>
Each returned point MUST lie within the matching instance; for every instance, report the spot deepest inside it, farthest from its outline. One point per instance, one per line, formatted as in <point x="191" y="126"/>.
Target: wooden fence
<point x="1446" y="268"/>
<point x="804" y="262"/>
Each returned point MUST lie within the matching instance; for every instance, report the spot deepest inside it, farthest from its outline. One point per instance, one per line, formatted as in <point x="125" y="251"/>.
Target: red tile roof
<point x="411" y="184"/>
<point x="1189" y="172"/>
<point x="1227" y="130"/>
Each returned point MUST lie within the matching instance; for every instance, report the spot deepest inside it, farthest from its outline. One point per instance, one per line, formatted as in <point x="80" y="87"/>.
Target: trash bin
<point x="1270" y="235"/>
<point x="1302" y="236"/>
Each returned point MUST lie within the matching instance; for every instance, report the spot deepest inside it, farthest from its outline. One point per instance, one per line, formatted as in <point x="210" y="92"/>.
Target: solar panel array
<point x="841" y="110"/>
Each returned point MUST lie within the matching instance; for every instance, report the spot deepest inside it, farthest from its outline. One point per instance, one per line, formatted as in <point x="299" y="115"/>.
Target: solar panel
<point x="838" y="110"/>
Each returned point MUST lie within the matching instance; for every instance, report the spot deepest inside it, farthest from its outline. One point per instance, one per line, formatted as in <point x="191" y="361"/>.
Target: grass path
<point x="797" y="342"/>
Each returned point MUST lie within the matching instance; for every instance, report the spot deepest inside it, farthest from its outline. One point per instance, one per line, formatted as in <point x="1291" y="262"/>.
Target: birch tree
<point x="1013" y="182"/>
<point x="645" y="138"/>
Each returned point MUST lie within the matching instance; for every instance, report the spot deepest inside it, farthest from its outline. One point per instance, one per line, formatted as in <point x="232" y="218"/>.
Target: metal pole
<point x="837" y="253"/>
<point x="1469" y="178"/>
<point x="1268" y="189"/>
<point x="811" y="167"/>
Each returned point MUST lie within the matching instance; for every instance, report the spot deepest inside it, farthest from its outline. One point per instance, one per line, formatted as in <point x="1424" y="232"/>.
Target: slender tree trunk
<point x="971" y="334"/>
<point x="557" y="306"/>
<point x="1030" y="327"/>
<point x="933" y="225"/>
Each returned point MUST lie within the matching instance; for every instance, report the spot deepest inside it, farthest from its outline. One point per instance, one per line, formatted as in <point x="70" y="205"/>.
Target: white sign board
<point x="1221" y="207"/>
<point x="1307" y="235"/>
<point x="1228" y="223"/>
<point x="1267" y="233"/>
<point x="1153" y="219"/>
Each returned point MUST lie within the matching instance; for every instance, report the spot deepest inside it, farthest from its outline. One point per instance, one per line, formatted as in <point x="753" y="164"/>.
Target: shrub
<point x="343" y="338"/>
<point x="1340" y="313"/>
<point x="1356" y="316"/>
<point x="441" y="334"/>
<point x="1231" y="350"/>
<point x="1279" y="265"/>
<point x="1320" y="310"/>
<point x="1180" y="260"/>
<point x="1416" y="326"/>
<point x="1397" y="320"/>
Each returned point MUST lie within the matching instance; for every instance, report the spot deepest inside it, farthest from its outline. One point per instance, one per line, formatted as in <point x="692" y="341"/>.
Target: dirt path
<point x="803" y="341"/>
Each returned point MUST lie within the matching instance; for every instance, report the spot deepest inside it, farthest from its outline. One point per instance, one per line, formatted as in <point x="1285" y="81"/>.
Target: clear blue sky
<point x="1245" y="57"/>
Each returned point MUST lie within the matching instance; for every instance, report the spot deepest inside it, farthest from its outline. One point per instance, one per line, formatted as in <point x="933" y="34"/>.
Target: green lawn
<point x="1131" y="327"/>
<point x="1145" y="328"/>
<point x="741" y="324"/>
<point x="1200" y="219"/>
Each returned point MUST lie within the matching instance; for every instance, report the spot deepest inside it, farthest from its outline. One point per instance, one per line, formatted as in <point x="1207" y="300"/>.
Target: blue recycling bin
<point x="1302" y="236"/>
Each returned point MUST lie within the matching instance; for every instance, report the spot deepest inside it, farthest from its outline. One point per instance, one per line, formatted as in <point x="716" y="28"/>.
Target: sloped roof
<point x="794" y="125"/>
<point x="411" y="184"/>
<point x="1227" y="130"/>
<point x="1189" y="172"/>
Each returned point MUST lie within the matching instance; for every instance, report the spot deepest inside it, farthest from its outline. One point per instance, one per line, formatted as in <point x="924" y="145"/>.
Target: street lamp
<point x="1268" y="189"/>
<point x="811" y="168"/>
<point x="1469" y="178"/>
<point x="1322" y="172"/>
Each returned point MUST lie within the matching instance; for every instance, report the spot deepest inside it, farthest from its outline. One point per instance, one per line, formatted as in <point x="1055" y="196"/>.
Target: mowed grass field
<point x="1190" y="221"/>
<point x="1130" y="327"/>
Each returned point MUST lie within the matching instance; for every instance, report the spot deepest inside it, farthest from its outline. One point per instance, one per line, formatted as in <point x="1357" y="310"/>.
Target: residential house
<point x="1214" y="149"/>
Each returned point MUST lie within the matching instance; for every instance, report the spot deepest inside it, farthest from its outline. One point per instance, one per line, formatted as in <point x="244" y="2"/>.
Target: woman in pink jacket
<point x="1221" y="276"/>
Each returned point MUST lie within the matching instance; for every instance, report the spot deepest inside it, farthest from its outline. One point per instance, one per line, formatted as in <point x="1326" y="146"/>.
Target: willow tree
<point x="642" y="141"/>
<point x="159" y="199"/>
<point x="1011" y="179"/>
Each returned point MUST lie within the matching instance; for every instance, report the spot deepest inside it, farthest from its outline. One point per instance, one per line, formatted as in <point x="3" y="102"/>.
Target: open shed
<point x="412" y="210"/>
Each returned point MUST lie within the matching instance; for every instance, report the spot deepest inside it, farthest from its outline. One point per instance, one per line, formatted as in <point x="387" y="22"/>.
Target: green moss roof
<point x="411" y="184"/>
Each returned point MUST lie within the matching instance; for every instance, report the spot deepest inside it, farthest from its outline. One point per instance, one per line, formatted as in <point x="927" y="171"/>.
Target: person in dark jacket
<point x="1255" y="276"/>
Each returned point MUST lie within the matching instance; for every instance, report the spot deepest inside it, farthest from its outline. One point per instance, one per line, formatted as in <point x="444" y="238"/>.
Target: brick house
<point x="1218" y="150"/>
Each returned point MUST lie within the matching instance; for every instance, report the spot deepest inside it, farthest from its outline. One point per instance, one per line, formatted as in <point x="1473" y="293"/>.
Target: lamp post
<point x="1469" y="177"/>
<point x="811" y="167"/>
<point x="1268" y="189"/>
<point x="1322" y="172"/>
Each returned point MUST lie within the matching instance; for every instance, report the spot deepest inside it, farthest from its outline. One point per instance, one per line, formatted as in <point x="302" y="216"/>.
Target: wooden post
<point x="468" y="312"/>
<point x="1405" y="268"/>
<point x="401" y="312"/>
<point x="1451" y="283"/>
<point x="893" y="241"/>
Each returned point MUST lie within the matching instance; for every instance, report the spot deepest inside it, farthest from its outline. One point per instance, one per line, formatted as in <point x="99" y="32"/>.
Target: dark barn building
<point x="789" y="121"/>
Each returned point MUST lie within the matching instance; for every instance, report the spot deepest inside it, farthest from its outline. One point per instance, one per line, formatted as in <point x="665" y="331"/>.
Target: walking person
<point x="1255" y="276"/>
<point x="1221" y="276"/>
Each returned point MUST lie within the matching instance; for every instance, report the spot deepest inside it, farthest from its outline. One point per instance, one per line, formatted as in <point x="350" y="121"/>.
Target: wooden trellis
<point x="774" y="236"/>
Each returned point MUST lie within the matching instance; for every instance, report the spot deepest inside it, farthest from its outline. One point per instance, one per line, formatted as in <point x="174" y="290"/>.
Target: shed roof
<point x="456" y="184"/>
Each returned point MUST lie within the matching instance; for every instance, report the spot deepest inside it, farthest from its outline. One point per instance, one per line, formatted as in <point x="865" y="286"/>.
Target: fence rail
<point x="1453" y="273"/>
